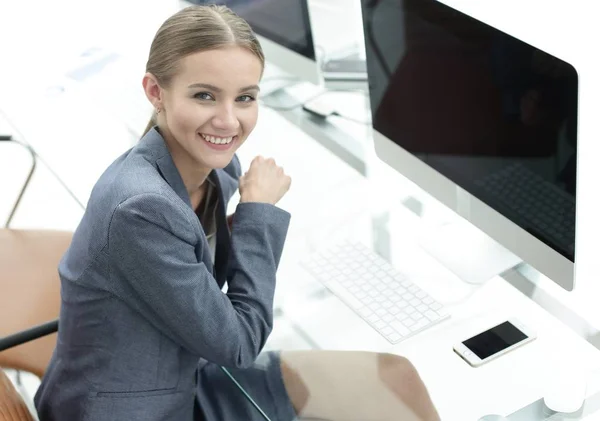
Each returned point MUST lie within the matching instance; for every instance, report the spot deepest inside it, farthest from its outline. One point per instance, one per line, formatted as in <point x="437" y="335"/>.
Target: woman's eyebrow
<point x="217" y="89"/>
<point x="205" y="86"/>
<point x="250" y="88"/>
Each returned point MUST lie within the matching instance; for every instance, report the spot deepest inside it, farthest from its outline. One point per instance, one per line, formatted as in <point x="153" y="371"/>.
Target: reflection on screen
<point x="285" y="22"/>
<point x="490" y="112"/>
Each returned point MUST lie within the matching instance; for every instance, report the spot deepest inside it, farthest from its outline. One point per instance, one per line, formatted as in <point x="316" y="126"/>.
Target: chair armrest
<point x="28" y="335"/>
<point x="9" y="138"/>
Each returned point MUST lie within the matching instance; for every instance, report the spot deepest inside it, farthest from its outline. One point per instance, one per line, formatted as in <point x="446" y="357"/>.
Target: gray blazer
<point x="142" y="303"/>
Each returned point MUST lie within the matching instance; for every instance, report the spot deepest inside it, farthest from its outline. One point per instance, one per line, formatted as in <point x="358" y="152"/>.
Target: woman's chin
<point x="218" y="162"/>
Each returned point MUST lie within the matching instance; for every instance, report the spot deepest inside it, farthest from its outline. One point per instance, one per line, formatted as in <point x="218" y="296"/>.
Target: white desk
<point x="331" y="201"/>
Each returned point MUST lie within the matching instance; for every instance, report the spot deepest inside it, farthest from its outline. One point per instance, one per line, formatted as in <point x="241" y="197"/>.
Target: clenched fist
<point x="264" y="182"/>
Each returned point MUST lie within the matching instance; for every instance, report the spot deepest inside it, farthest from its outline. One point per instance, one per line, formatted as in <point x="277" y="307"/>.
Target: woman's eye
<point x="245" y="98"/>
<point x="204" y="96"/>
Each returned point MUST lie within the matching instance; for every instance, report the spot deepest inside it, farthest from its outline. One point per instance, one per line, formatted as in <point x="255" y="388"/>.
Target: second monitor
<point x="284" y="31"/>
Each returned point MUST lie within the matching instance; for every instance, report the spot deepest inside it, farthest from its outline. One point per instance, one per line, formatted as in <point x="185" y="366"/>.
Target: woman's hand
<point x="264" y="182"/>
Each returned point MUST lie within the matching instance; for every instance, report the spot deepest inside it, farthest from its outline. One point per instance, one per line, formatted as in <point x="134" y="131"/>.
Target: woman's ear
<point x="153" y="91"/>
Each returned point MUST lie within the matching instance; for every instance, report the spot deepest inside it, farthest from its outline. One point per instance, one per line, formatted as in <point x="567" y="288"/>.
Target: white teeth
<point x="217" y="140"/>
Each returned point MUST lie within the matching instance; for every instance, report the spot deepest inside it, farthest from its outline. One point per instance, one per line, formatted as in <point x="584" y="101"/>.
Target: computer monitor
<point x="482" y="121"/>
<point x="283" y="28"/>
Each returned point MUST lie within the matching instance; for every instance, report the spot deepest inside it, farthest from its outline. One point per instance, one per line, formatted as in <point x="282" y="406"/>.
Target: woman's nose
<point x="225" y="118"/>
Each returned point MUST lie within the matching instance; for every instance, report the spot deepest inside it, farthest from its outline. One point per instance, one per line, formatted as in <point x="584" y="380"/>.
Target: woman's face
<point x="211" y="106"/>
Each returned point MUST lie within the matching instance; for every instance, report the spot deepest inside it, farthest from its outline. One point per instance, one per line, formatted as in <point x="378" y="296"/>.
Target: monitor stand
<point x="462" y="248"/>
<point x="272" y="85"/>
<point x="287" y="94"/>
<point x="457" y="244"/>
<point x="466" y="251"/>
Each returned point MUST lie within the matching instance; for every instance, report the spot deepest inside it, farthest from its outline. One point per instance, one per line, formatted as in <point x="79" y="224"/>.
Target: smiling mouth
<point x="218" y="140"/>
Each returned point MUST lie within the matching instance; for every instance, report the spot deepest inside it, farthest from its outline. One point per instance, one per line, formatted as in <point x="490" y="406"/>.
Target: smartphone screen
<point x="494" y="340"/>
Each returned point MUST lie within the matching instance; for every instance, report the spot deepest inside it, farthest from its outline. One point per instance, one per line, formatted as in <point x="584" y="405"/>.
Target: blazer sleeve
<point x="152" y="247"/>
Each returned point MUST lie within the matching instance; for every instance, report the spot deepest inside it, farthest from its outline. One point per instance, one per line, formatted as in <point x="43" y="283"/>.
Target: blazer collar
<point x="153" y="147"/>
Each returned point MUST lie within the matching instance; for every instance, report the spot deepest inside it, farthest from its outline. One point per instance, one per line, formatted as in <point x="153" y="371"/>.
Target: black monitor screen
<point x="284" y="22"/>
<point x="491" y="113"/>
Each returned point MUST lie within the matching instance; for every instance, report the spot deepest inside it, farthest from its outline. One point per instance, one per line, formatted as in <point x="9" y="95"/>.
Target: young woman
<point x="144" y="326"/>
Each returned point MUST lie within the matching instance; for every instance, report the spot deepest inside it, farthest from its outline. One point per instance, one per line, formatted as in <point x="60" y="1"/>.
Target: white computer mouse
<point x="492" y="418"/>
<point x="565" y="393"/>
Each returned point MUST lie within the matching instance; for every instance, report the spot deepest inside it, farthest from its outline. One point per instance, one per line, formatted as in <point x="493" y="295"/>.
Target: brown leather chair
<point x="30" y="292"/>
<point x="12" y="406"/>
<point x="29" y="297"/>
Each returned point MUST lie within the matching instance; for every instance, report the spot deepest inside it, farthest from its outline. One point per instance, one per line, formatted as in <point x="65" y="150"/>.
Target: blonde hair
<point x="195" y="29"/>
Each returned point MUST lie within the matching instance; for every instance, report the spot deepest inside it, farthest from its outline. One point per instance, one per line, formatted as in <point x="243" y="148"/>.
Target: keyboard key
<point x="394" y="337"/>
<point x="408" y="322"/>
<point x="436" y="306"/>
<point x="380" y="311"/>
<point x="372" y="318"/>
<point x="367" y="300"/>
<point x="387" y="331"/>
<point x="401" y="316"/>
<point x="431" y="315"/>
<point x="416" y="316"/>
<point x="400" y="328"/>
<point x="344" y="295"/>
<point x="420" y="324"/>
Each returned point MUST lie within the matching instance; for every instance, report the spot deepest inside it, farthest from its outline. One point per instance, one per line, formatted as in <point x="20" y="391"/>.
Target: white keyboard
<point x="376" y="291"/>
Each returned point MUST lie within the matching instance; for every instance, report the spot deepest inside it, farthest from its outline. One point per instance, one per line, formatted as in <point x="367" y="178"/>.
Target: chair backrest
<point x="12" y="405"/>
<point x="30" y="292"/>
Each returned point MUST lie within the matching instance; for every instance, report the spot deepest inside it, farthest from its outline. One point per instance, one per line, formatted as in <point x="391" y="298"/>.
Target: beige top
<point x="207" y="213"/>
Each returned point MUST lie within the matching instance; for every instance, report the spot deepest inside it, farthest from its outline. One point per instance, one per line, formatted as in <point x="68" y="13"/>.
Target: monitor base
<point x="466" y="251"/>
<point x="287" y="94"/>
<point x="275" y="85"/>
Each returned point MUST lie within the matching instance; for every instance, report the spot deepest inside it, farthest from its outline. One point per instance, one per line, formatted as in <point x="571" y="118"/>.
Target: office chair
<point x="12" y="405"/>
<point x="30" y="293"/>
<point x="30" y="297"/>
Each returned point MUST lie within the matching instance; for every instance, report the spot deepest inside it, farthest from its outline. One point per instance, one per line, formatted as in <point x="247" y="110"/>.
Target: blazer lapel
<point x="223" y="234"/>
<point x="154" y="147"/>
